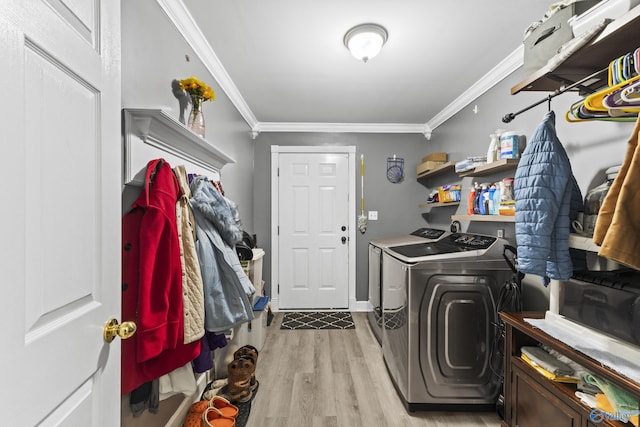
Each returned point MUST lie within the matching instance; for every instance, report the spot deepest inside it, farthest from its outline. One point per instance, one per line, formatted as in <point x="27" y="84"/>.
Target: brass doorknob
<point x="112" y="330"/>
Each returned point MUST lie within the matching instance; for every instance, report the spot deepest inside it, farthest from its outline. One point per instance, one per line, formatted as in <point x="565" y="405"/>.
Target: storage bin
<point x="611" y="9"/>
<point x="253" y="270"/>
<point x="545" y="40"/>
<point x="255" y="267"/>
<point x="257" y="329"/>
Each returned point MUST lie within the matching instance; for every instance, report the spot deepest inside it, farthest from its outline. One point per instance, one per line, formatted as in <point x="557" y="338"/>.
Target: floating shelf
<point x="584" y="243"/>
<point x="438" y="205"/>
<point x="440" y="170"/>
<point x="617" y="39"/>
<point x="491" y="168"/>
<point x="484" y="218"/>
<point x="149" y="133"/>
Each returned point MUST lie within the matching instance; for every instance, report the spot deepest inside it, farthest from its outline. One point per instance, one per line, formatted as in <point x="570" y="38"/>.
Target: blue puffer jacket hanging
<point x="547" y="196"/>
<point x="226" y="286"/>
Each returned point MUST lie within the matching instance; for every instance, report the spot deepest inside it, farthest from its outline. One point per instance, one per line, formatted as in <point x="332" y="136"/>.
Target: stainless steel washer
<point x="420" y="235"/>
<point x="438" y="314"/>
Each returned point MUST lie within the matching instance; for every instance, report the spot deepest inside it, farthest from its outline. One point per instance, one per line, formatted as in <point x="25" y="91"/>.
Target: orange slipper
<point x="225" y="407"/>
<point x="194" y="417"/>
<point x="212" y="417"/>
<point x="199" y="407"/>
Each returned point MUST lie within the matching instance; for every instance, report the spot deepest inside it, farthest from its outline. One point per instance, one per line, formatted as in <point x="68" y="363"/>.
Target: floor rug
<point x="317" y="320"/>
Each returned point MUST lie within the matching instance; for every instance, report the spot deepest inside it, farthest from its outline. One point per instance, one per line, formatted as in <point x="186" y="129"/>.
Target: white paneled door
<point x="60" y="216"/>
<point x="313" y="230"/>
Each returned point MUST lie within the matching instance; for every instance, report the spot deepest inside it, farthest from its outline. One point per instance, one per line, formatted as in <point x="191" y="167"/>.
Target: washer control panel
<point x="474" y="241"/>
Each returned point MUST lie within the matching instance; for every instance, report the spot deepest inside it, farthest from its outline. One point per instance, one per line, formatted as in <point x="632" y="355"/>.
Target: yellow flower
<point x="197" y="88"/>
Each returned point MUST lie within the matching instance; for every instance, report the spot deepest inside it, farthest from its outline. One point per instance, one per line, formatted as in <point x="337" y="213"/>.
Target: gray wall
<point x="153" y="54"/>
<point x="397" y="204"/>
<point x="592" y="147"/>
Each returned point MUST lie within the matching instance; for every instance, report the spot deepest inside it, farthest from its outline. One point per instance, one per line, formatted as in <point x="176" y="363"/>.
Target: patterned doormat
<point x="317" y="320"/>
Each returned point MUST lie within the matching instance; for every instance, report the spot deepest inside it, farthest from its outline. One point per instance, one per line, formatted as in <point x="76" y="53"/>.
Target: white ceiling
<point x="284" y="62"/>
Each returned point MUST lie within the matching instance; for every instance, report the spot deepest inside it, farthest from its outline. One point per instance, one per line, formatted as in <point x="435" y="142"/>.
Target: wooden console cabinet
<point x="532" y="400"/>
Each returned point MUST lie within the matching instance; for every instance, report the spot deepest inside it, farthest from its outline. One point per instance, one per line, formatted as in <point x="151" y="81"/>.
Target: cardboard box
<point x="435" y="157"/>
<point x="427" y="166"/>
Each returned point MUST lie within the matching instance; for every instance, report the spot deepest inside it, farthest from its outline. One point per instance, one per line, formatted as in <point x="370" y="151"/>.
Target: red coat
<point x="152" y="282"/>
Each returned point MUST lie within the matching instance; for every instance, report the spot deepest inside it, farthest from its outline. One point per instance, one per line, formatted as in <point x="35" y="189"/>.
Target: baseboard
<point x="354" y="306"/>
<point x="177" y="419"/>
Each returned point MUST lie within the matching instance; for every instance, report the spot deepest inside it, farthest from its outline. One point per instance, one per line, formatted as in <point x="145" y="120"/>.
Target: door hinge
<point x="278" y="288"/>
<point x="278" y="230"/>
<point x="278" y="172"/>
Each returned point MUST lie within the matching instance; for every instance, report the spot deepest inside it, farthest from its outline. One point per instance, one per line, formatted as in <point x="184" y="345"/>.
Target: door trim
<point x="275" y="206"/>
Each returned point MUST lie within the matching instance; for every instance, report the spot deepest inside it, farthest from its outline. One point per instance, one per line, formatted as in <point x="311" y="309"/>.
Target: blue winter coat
<point x="545" y="191"/>
<point x="226" y="286"/>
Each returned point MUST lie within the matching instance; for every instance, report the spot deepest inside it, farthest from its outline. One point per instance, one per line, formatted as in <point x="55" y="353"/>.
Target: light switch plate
<point x="373" y="215"/>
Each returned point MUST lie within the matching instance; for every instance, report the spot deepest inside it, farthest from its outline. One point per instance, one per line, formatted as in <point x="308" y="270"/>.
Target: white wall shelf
<point x="152" y="133"/>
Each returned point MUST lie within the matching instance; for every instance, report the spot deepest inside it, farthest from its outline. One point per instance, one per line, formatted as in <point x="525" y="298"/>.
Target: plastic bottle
<point x="491" y="152"/>
<point x="496" y="201"/>
<point x="476" y="200"/>
<point x="471" y="200"/>
<point x="492" y="193"/>
<point x="498" y="133"/>
<point x="484" y="192"/>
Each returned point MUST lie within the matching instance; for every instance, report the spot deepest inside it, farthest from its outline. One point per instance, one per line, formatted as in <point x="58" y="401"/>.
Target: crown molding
<point x="144" y="128"/>
<point x="486" y="82"/>
<point x="188" y="28"/>
<point x="342" y="128"/>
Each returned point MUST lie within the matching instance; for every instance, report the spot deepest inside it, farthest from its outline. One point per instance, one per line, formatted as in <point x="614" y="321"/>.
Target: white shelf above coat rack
<point x="152" y="133"/>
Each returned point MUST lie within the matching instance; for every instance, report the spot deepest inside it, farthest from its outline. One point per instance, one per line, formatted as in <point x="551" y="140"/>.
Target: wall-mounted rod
<point x="509" y="117"/>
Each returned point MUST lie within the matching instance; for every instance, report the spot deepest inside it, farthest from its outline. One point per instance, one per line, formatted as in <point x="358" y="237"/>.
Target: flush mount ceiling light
<point x="365" y="41"/>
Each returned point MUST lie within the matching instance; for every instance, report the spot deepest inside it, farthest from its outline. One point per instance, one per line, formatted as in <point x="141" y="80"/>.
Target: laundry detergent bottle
<point x="471" y="200"/>
<point x="476" y="199"/>
<point x="484" y="200"/>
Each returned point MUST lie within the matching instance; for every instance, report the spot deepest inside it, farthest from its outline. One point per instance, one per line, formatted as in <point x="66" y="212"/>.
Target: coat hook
<point x="549" y="103"/>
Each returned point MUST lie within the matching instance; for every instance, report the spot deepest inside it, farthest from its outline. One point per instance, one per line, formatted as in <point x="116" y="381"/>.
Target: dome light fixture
<point x="365" y="41"/>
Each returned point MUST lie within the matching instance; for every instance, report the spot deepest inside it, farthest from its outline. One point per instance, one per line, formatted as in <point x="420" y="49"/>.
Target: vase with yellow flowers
<point x="199" y="93"/>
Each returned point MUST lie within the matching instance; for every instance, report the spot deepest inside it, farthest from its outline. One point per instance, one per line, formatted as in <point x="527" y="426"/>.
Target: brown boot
<point x="238" y="388"/>
<point x="247" y="350"/>
<point x="251" y="352"/>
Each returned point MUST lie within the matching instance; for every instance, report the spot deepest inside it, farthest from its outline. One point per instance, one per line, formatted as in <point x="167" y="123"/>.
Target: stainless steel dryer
<point x="421" y="235"/>
<point x="439" y="312"/>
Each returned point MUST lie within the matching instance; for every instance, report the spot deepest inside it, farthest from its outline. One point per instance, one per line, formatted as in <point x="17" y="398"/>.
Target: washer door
<point x="457" y="313"/>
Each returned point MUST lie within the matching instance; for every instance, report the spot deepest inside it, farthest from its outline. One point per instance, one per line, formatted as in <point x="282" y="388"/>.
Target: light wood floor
<point x="336" y="378"/>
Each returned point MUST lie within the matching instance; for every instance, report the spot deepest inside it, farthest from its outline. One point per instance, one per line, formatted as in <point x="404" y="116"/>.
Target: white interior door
<point x="313" y="223"/>
<point x="60" y="217"/>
